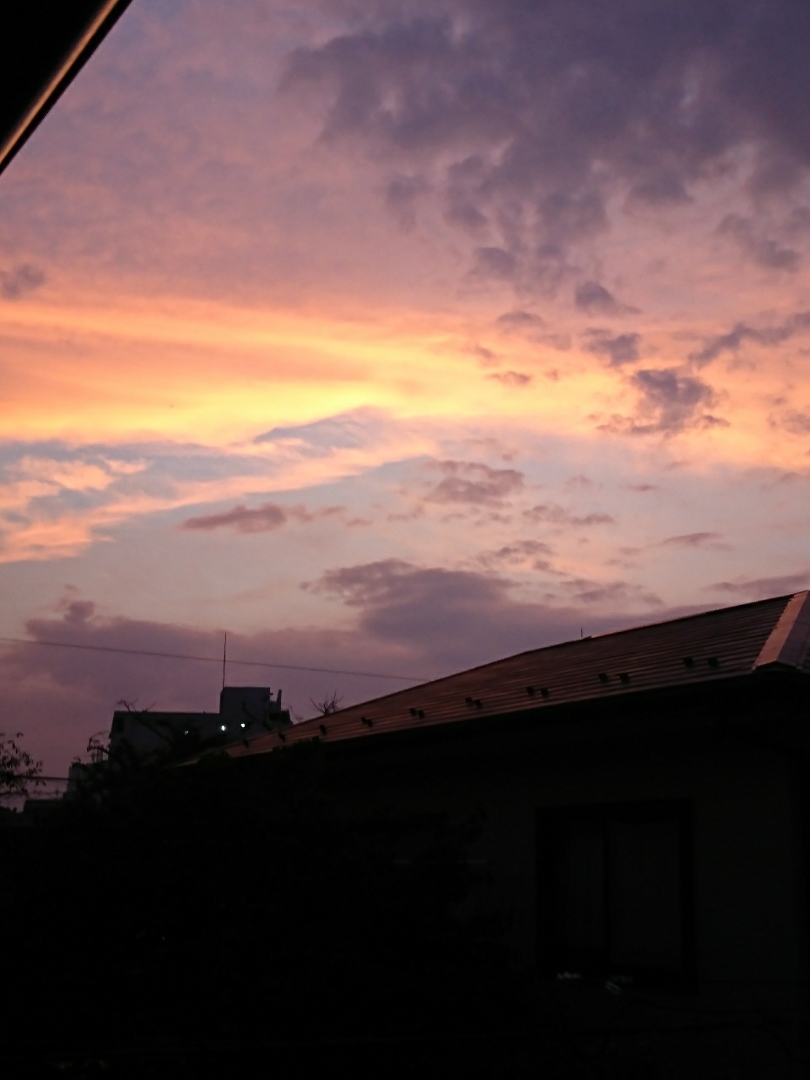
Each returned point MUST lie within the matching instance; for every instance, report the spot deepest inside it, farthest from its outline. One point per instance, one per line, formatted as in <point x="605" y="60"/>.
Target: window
<point x="614" y="893"/>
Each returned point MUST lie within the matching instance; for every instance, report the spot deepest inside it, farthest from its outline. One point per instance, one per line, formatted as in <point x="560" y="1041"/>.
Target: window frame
<point x="554" y="958"/>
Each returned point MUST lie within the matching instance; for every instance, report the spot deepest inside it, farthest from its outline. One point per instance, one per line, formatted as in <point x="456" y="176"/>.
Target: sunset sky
<point x="396" y="337"/>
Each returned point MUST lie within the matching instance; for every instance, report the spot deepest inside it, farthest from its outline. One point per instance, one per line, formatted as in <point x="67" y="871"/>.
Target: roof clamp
<point x="322" y="728"/>
<point x="365" y="720"/>
<point x="624" y="677"/>
<point x="604" y="677"/>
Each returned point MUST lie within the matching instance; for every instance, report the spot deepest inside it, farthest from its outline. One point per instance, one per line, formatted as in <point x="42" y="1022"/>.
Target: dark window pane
<point x="581" y="889"/>
<point x="644" y="894"/>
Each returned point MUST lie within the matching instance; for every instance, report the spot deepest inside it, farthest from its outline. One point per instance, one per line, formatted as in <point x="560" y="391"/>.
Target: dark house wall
<point x="744" y="904"/>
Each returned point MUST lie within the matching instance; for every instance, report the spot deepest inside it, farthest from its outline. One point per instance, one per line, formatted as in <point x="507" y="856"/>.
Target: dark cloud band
<point x="523" y="118"/>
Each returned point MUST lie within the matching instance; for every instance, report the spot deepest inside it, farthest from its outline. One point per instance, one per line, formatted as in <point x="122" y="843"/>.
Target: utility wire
<point x="210" y="659"/>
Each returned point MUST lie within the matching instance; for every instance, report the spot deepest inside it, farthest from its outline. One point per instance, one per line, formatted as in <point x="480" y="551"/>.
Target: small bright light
<point x="223" y="727"/>
<point x="244" y="725"/>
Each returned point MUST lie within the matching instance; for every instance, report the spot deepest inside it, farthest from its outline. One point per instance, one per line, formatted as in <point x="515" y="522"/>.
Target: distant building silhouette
<point x="244" y="712"/>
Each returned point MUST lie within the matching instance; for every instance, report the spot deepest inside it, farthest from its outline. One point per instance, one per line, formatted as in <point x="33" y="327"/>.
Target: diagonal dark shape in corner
<point x="43" y="46"/>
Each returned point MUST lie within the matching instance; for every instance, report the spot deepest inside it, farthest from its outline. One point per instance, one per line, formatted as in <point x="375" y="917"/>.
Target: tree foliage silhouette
<point x="19" y="772"/>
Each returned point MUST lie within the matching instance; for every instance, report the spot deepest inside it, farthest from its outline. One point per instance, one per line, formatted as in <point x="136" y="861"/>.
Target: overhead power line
<point x="209" y="659"/>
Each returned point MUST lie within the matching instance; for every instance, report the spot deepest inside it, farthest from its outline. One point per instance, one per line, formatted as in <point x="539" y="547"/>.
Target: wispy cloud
<point x="520" y="553"/>
<point x="611" y="592"/>
<point x="352" y="430"/>
<point x="765" y="251"/>
<point x="21" y="279"/>
<point x="474" y="484"/>
<point x="522" y="321"/>
<point x="451" y="610"/>
<point x="691" y="540"/>
<point x="595" y="299"/>
<point x="552" y="514"/>
<point x="669" y="402"/>
<point x="764" y="336"/>
<point x="759" y="588"/>
<point x="511" y="378"/>
<point x="617" y="350"/>
<point x="264" y="518"/>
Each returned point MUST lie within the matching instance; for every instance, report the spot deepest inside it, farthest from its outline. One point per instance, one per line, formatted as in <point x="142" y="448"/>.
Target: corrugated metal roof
<point x="707" y="647"/>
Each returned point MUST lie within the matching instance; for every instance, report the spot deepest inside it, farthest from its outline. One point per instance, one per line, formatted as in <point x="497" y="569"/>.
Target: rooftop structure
<point x="244" y="712"/>
<point x="712" y="647"/>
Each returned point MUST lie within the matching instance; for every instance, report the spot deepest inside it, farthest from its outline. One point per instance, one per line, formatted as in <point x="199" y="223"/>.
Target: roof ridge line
<point x="548" y="648"/>
<point x="788" y="641"/>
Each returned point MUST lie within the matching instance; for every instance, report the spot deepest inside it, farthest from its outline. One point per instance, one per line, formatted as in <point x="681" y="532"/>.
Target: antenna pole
<point x="224" y="657"/>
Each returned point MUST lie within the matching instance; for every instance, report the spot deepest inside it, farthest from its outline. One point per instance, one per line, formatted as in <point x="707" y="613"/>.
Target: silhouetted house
<point x="646" y="798"/>
<point x="244" y="712"/>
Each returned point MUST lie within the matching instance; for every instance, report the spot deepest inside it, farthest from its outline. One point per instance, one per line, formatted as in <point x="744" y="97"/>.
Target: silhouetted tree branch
<point x="328" y="705"/>
<point x="18" y="770"/>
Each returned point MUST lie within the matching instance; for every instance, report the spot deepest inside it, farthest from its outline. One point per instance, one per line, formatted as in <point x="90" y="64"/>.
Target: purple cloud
<point x="519" y="553"/>
<point x="520" y="320"/>
<point x="594" y="299"/>
<point x="764" y="251"/>
<point x="552" y="514"/>
<point x="511" y="378"/>
<point x="457" y="617"/>
<point x="527" y="124"/>
<point x="768" y="336"/>
<point x="22" y="279"/>
<point x="797" y="423"/>
<point x="669" y="402"/>
<point x="264" y="518"/>
<point x="760" y="588"/>
<point x="402" y="194"/>
<point x="695" y="539"/>
<point x="622" y="349"/>
<point x="474" y="484"/>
